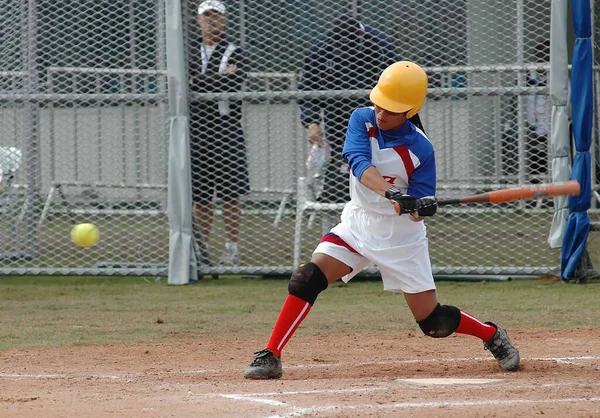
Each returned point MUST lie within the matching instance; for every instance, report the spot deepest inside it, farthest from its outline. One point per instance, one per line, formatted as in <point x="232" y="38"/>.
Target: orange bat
<point x="536" y="191"/>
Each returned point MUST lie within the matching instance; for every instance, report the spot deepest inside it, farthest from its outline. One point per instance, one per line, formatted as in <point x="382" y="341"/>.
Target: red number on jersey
<point x="390" y="179"/>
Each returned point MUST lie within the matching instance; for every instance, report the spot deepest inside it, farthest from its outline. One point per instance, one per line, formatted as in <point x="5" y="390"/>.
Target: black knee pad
<point x="442" y="322"/>
<point x="307" y="282"/>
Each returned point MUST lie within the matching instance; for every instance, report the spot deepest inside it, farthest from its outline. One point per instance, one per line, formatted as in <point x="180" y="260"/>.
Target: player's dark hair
<point x="416" y="120"/>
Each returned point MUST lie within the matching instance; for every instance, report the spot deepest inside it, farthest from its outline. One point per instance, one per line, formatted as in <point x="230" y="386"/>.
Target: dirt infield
<point x="342" y="376"/>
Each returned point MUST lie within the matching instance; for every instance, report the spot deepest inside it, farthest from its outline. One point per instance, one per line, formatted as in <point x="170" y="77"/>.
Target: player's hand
<point x="427" y="206"/>
<point x="230" y="69"/>
<point x="402" y="202"/>
<point x="314" y="133"/>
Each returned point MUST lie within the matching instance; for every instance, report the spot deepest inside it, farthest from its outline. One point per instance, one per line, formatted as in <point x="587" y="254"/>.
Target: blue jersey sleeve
<point x="357" y="147"/>
<point x="423" y="180"/>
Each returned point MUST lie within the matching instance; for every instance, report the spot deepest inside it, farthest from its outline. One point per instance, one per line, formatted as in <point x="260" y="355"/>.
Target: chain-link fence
<point x="83" y="125"/>
<point x="82" y="134"/>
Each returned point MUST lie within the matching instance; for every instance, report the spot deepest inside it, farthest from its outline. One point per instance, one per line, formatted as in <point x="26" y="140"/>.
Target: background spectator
<point x="349" y="56"/>
<point x="537" y="118"/>
<point x="218" y="150"/>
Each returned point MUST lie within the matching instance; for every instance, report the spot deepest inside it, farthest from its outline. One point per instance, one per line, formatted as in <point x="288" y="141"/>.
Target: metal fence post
<point x="182" y="259"/>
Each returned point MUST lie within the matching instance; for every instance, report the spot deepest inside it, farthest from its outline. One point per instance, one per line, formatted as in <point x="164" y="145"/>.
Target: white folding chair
<point x="306" y="203"/>
<point x="10" y="162"/>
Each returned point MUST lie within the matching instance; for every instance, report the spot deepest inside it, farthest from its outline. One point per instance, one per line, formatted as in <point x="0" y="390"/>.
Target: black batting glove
<point x="427" y="206"/>
<point x="403" y="202"/>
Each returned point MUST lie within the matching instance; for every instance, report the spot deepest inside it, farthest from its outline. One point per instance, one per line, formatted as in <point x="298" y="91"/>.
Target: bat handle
<point x="446" y="202"/>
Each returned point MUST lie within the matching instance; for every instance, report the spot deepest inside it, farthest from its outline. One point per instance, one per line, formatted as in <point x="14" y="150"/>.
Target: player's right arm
<point x="357" y="152"/>
<point x="374" y="181"/>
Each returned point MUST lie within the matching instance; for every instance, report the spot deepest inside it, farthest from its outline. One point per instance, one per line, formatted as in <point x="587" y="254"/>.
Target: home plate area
<point x="545" y="386"/>
<point x="384" y="375"/>
<point x="387" y="376"/>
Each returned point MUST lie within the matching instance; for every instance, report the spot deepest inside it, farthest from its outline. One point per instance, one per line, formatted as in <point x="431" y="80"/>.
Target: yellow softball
<point x="85" y="235"/>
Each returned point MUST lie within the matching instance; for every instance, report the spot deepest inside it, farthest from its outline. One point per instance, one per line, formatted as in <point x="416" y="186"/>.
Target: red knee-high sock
<point x="292" y="314"/>
<point x="473" y="326"/>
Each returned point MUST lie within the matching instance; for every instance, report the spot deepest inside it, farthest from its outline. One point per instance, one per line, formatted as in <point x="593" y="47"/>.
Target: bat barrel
<point x="535" y="192"/>
<point x="568" y="188"/>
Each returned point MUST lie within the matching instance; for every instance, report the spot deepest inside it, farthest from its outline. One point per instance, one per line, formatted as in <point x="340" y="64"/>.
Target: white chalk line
<point x="307" y="392"/>
<point x="258" y="400"/>
<point x="8" y="375"/>
<point x="566" y="360"/>
<point x="96" y="376"/>
<point x="298" y="412"/>
<point x="32" y="376"/>
<point x="255" y="395"/>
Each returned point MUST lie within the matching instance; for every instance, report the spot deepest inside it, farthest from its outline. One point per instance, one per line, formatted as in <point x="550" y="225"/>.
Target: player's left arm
<point x="422" y="185"/>
<point x="419" y="201"/>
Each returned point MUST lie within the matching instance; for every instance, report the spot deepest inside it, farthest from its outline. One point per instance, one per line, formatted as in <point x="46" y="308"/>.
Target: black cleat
<point x="503" y="349"/>
<point x="264" y="366"/>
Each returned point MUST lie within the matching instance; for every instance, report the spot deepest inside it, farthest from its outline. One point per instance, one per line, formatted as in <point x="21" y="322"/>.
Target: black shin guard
<point x="307" y="282"/>
<point x="442" y="322"/>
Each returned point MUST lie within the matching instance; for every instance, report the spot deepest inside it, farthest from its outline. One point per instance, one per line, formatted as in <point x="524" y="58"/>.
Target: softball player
<point x="391" y="161"/>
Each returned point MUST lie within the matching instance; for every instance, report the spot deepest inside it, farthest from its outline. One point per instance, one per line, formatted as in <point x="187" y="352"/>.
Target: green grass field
<point x="57" y="311"/>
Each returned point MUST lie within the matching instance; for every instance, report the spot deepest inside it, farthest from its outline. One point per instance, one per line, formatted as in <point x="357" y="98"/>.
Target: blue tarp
<point x="578" y="223"/>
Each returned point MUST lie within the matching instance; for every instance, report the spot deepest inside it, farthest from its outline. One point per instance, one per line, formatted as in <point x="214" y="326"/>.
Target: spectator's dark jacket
<point x="338" y="64"/>
<point x="212" y="81"/>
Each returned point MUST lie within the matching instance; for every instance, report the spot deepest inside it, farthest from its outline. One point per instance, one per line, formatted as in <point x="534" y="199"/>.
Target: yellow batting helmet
<point x="402" y="87"/>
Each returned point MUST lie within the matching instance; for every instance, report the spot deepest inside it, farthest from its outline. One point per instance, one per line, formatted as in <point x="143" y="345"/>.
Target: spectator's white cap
<point x="215" y="5"/>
